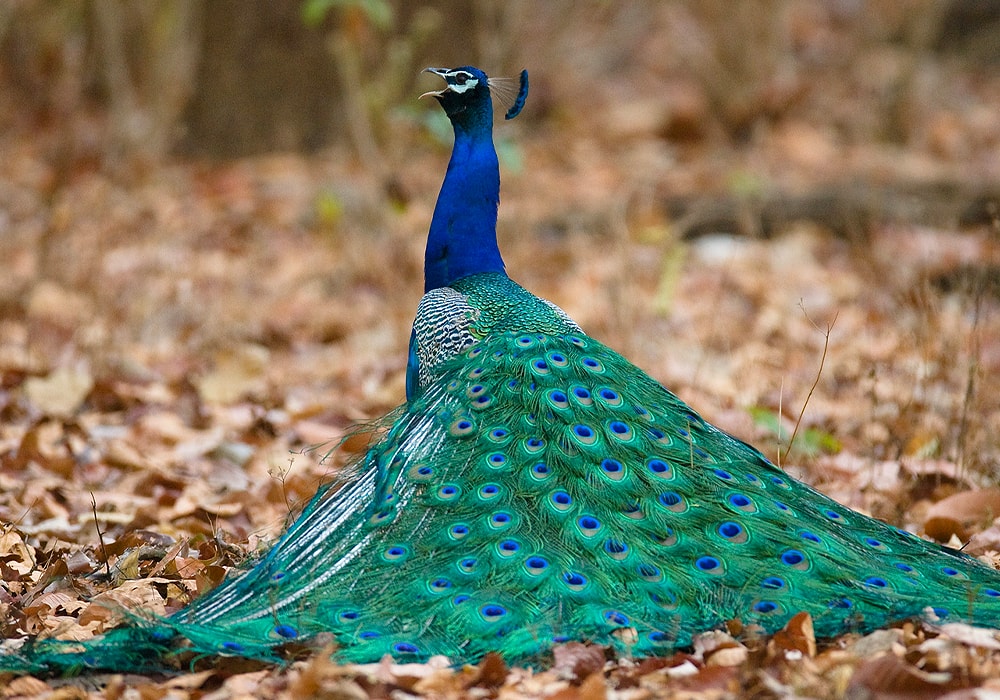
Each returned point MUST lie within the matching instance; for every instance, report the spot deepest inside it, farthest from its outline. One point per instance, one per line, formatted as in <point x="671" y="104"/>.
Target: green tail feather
<point x="543" y="489"/>
<point x="133" y="648"/>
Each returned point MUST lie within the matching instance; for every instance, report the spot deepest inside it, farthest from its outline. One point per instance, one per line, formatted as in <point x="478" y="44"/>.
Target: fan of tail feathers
<point x="537" y="488"/>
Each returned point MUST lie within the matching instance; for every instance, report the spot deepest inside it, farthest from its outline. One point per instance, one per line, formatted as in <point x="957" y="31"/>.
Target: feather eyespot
<point x="742" y="502"/>
<point x="709" y="565"/>
<point x="439" y="584"/>
<point x="612" y="469"/>
<point x="561" y="501"/>
<point x="395" y="553"/>
<point x="795" y="559"/>
<point x="557" y="399"/>
<point x="509" y="547"/>
<point x="556" y="359"/>
<point x="582" y="395"/>
<point x="489" y="491"/>
<point x="421" y="473"/>
<point x="475" y="390"/>
<point x="534" y="445"/>
<point x="616" y="549"/>
<point x="449" y="492"/>
<point x="765" y="607"/>
<point x="536" y="564"/>
<point x="620" y="430"/>
<point x="286" y="631"/>
<point x="499" y="521"/>
<point x="589" y="525"/>
<point x="462" y="427"/>
<point x="492" y="612"/>
<point x="672" y="501"/>
<point x="616" y="618"/>
<point x="539" y="367"/>
<point x="496" y="460"/>
<point x="540" y="471"/>
<point x="468" y="565"/>
<point x="499" y="435"/>
<point x="583" y="435"/>
<point x="609" y="397"/>
<point x="648" y="572"/>
<point x="731" y="531"/>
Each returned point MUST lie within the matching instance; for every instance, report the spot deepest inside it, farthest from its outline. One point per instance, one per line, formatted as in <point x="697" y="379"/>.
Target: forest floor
<point x="175" y="342"/>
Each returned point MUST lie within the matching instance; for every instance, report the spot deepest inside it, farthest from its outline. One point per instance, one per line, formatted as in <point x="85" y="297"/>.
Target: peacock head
<point x="466" y="98"/>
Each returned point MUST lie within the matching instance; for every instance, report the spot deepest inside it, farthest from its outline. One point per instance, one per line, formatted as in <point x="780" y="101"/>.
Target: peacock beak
<point x="436" y="93"/>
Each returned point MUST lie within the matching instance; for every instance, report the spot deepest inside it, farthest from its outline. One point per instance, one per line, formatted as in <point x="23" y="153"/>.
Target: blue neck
<point x="463" y="236"/>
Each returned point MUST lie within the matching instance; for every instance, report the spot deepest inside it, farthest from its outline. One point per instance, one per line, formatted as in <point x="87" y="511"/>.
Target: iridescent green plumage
<point x="537" y="488"/>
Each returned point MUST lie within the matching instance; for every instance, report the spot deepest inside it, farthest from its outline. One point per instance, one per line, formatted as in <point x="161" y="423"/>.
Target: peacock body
<point x="535" y="488"/>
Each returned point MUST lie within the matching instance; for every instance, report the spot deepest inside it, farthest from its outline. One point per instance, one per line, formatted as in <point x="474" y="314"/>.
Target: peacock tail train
<point x="536" y="488"/>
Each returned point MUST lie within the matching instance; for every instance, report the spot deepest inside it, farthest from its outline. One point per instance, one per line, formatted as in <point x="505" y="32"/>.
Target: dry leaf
<point x="972" y="636"/>
<point x="890" y="677"/>
<point x="594" y="687"/>
<point x="492" y="672"/>
<point x="26" y="687"/>
<point x="797" y="636"/>
<point x="237" y="374"/>
<point x="577" y="661"/>
<point x="62" y="392"/>
<point x="961" y="512"/>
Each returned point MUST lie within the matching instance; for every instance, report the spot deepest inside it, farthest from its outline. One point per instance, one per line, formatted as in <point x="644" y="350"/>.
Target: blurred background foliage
<point x="227" y="78"/>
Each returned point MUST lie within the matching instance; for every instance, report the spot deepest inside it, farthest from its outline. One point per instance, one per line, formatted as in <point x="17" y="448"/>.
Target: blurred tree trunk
<point x="265" y="82"/>
<point x="147" y="54"/>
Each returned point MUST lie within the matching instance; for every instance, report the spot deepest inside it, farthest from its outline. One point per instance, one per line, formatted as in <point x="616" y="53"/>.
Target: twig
<point x="781" y="401"/>
<point x="819" y="373"/>
<point x="100" y="535"/>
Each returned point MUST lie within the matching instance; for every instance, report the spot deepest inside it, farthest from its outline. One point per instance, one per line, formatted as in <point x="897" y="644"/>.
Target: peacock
<point x="537" y="488"/>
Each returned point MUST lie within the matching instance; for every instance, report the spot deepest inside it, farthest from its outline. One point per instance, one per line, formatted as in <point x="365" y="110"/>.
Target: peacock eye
<point x="461" y="77"/>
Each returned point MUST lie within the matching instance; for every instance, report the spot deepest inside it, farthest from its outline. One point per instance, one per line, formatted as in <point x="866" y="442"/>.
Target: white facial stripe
<point x="467" y="85"/>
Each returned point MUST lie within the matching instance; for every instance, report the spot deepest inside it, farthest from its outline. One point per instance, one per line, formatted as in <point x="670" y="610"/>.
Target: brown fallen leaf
<point x="888" y="677"/>
<point x="62" y="392"/>
<point x="971" y="636"/>
<point x="27" y="687"/>
<point x="237" y="373"/>
<point x="594" y="687"/>
<point x="797" y="635"/>
<point x="492" y="672"/>
<point x="575" y="661"/>
<point x="962" y="512"/>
